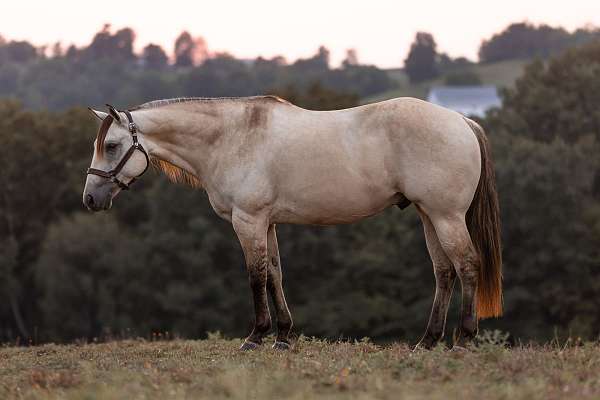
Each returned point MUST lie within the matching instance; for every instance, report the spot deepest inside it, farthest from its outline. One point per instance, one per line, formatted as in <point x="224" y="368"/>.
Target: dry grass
<point x="214" y="369"/>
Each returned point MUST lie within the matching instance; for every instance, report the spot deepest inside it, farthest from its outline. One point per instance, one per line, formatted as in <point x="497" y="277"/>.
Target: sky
<point x="381" y="31"/>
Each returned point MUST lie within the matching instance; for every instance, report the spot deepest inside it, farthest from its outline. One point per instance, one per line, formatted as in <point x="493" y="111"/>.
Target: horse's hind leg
<point x="444" y="284"/>
<point x="455" y="240"/>
<point x="275" y="288"/>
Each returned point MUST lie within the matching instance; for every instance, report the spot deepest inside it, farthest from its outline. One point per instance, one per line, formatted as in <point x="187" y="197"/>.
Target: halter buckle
<point x="119" y="183"/>
<point x="132" y="127"/>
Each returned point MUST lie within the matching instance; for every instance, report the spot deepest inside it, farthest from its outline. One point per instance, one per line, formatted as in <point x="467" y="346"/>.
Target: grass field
<point x="500" y="74"/>
<point x="214" y="369"/>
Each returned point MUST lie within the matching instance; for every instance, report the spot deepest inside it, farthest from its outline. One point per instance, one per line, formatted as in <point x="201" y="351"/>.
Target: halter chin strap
<point x="112" y="174"/>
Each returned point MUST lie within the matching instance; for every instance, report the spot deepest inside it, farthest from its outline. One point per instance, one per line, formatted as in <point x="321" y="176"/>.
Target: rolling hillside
<point x="501" y="74"/>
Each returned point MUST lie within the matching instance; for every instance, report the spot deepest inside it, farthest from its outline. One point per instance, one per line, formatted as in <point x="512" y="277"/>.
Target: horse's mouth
<point x="96" y="207"/>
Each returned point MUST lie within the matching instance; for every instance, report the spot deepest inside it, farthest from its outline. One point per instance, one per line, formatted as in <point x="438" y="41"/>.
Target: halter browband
<point x="112" y="174"/>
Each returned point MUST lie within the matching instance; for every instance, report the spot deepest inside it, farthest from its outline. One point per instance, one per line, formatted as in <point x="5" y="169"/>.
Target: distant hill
<point x="500" y="74"/>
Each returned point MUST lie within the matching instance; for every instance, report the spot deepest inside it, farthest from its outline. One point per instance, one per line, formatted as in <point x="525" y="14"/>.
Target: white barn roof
<point x="467" y="100"/>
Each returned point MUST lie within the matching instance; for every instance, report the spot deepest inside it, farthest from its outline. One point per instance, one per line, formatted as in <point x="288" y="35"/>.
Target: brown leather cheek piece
<point x="112" y="174"/>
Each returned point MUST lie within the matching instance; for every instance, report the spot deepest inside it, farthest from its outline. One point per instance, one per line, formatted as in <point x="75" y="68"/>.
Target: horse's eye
<point x="111" y="147"/>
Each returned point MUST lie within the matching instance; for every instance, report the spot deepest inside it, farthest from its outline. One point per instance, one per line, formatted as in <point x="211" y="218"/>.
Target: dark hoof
<point x="247" y="346"/>
<point x="464" y="342"/>
<point x="281" y="345"/>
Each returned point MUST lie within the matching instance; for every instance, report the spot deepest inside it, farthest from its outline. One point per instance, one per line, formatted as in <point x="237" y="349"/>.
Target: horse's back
<point x="325" y="170"/>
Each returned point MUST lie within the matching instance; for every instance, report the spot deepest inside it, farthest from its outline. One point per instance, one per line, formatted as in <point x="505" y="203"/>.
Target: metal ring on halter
<point x="112" y="174"/>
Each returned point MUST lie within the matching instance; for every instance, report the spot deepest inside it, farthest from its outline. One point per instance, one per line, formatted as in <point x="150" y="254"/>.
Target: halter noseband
<point x="112" y="174"/>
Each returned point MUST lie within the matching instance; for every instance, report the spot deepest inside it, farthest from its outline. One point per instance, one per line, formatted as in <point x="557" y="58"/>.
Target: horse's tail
<point x="483" y="222"/>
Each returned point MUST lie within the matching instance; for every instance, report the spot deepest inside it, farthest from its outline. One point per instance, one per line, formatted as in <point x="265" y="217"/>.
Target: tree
<point x="318" y="97"/>
<point x="82" y="272"/>
<point x="317" y="63"/>
<point x="351" y="58"/>
<point x="447" y="64"/>
<point x="364" y="80"/>
<point x="154" y="57"/>
<point x="220" y="75"/>
<point x="96" y="73"/>
<point x="189" y="51"/>
<point x="184" y="49"/>
<point x="117" y="47"/>
<point x="57" y="50"/>
<point x="420" y="64"/>
<point x="525" y="40"/>
<point x="123" y="43"/>
<point x="31" y="144"/>
<point x="551" y="225"/>
<point x="268" y="72"/>
<point x="558" y="99"/>
<point x="17" y="52"/>
<point x="545" y="141"/>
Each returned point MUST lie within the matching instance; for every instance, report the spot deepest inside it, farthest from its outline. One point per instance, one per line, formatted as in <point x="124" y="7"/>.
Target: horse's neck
<point x="187" y="135"/>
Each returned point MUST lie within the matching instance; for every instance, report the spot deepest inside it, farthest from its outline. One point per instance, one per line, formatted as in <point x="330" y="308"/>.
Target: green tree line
<point x="162" y="261"/>
<point x="108" y="68"/>
<point x="518" y="41"/>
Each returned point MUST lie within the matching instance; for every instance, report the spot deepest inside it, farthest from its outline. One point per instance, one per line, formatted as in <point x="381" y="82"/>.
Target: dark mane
<point x="165" y="102"/>
<point x="102" y="135"/>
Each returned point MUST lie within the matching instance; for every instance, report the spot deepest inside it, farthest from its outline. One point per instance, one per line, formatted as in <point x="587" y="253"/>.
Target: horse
<point x="264" y="161"/>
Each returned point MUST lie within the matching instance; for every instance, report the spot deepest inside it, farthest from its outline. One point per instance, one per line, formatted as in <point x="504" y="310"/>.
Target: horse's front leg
<point x="252" y="234"/>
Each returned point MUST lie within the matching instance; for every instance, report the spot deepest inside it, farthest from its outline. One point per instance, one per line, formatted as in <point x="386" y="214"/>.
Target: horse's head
<point x="118" y="159"/>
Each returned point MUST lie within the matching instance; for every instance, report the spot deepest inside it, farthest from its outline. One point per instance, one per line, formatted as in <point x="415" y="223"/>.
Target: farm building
<point x="467" y="100"/>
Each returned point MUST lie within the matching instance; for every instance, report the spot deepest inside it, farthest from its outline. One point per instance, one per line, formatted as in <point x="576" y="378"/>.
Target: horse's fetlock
<point x="435" y="335"/>
<point x="430" y="340"/>
<point x="285" y="324"/>
<point x="469" y="329"/>
<point x="263" y="325"/>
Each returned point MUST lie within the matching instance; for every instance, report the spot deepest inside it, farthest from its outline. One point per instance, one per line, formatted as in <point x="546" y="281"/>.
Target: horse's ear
<point x="114" y="113"/>
<point x="98" y="114"/>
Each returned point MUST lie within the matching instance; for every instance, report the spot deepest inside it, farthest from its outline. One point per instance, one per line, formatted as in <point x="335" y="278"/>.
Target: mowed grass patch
<point x="314" y="369"/>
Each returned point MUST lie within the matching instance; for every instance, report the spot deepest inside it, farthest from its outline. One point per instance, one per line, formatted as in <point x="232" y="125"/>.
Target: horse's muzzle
<point x="94" y="204"/>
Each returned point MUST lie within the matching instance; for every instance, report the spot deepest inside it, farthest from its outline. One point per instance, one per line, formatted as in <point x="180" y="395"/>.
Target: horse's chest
<point x="221" y="205"/>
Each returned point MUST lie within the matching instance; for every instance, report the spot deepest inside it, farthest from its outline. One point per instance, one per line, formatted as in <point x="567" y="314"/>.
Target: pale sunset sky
<point x="380" y="30"/>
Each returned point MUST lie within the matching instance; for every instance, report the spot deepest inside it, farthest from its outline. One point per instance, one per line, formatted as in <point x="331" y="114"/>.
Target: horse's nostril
<point x="89" y="199"/>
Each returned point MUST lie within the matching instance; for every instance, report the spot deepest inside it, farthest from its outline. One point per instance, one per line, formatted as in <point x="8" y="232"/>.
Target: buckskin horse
<point x="264" y="161"/>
